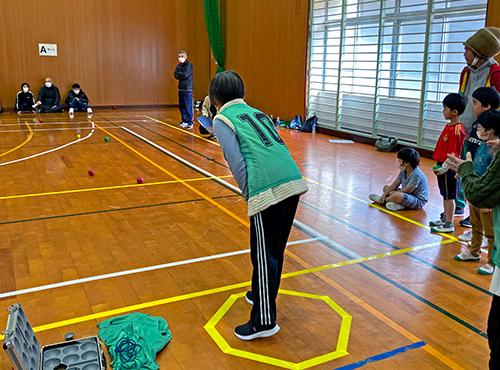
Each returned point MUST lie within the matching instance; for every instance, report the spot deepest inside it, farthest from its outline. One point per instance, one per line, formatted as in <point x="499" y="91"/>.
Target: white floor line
<point x="135" y="271"/>
<point x="66" y="122"/>
<point x="57" y="129"/>
<point x="51" y="150"/>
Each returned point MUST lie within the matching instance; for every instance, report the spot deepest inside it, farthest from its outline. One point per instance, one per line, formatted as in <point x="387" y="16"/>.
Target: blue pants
<point x="47" y="108"/>
<point x="186" y="106"/>
<point x="25" y="107"/>
<point x="78" y="105"/>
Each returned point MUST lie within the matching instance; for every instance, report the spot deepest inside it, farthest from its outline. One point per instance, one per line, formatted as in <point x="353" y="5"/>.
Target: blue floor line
<point x="381" y="356"/>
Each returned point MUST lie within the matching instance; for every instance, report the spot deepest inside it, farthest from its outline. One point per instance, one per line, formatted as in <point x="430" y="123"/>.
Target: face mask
<point x="401" y="166"/>
<point x="25" y="89"/>
<point x="476" y="59"/>
<point x="483" y="136"/>
<point x="76" y="92"/>
<point x="48" y="84"/>
<point x="182" y="60"/>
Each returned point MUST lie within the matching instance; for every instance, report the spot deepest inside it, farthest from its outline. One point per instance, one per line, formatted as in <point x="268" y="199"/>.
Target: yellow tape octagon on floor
<point x="342" y="340"/>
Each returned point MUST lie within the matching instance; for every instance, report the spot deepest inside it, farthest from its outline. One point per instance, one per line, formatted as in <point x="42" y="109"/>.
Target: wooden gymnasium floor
<point x="387" y="293"/>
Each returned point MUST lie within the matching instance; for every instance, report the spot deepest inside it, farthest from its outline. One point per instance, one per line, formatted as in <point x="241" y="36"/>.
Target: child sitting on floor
<point x="410" y="189"/>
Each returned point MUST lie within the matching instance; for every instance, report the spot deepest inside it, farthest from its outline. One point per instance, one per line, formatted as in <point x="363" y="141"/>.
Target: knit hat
<point x="485" y="43"/>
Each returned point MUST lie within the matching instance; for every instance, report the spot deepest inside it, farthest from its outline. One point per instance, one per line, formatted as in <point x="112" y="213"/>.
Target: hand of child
<point x="382" y="199"/>
<point x="486" y="210"/>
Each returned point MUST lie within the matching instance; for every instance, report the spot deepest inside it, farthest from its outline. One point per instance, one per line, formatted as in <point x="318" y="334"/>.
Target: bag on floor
<point x="386" y="144"/>
<point x="307" y="126"/>
<point x="295" y="123"/>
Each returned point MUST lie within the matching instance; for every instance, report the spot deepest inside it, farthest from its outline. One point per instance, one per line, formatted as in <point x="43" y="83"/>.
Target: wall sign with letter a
<point x="47" y="50"/>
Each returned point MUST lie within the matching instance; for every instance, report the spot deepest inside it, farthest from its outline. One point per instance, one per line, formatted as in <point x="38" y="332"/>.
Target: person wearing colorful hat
<point x="481" y="71"/>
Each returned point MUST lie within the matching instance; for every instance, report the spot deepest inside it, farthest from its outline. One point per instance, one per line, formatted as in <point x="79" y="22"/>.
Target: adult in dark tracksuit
<point x="184" y="73"/>
<point x="25" y="99"/>
<point x="48" y="98"/>
<point x="270" y="182"/>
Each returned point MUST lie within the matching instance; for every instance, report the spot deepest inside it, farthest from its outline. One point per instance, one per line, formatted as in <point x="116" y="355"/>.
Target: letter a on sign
<point x="47" y="49"/>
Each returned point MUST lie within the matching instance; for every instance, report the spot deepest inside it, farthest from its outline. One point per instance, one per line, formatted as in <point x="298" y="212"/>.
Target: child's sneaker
<point x="250" y="331"/>
<point x="71" y="112"/>
<point x="486" y="269"/>
<point x="248" y="297"/>
<point x="374" y="198"/>
<point x="466" y="257"/>
<point x="465" y="222"/>
<point x="466" y="236"/>
<point x="459" y="212"/>
<point x="443" y="229"/>
<point x="394" y="206"/>
<point x="439" y="222"/>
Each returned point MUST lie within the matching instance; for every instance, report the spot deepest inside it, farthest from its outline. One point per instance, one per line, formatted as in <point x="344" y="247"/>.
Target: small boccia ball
<point x="41" y="120"/>
<point x="91" y="172"/>
<point x="114" y="107"/>
<point x="78" y="136"/>
<point x="106" y="138"/>
<point x="140" y="180"/>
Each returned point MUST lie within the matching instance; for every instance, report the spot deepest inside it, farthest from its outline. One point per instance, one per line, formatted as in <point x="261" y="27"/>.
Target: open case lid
<point x="20" y="341"/>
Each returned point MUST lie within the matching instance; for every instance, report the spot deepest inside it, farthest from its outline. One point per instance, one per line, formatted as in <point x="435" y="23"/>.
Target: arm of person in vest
<point x="484" y="191"/>
<point x="232" y="153"/>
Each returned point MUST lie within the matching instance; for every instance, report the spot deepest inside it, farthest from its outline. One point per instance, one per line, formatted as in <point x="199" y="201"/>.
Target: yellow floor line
<point x="110" y="187"/>
<point x="380" y="315"/>
<point x="221" y="289"/>
<point x="201" y="194"/>
<point x="184" y="131"/>
<point x="451" y="237"/>
<point x="23" y="143"/>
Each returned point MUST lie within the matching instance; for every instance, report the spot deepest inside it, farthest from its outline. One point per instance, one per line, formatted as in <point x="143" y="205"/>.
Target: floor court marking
<point x="223" y="289"/>
<point x="381" y="209"/>
<point x="23" y="143"/>
<point x="51" y="150"/>
<point x="210" y="200"/>
<point x="136" y="271"/>
<point x="437" y="268"/>
<point x="184" y="131"/>
<point x="55" y="129"/>
<point x="345" y="250"/>
<point x="108" y="188"/>
<point x="330" y="188"/>
<point x="383" y="318"/>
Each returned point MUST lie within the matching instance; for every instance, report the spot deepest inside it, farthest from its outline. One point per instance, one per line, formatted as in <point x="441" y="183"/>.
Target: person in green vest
<point x="271" y="184"/>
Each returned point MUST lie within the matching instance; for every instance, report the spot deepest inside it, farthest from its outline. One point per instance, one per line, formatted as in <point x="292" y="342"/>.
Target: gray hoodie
<point x="476" y="79"/>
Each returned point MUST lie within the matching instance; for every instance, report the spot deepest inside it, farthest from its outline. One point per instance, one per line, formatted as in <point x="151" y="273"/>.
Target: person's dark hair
<point x="456" y="102"/>
<point x="226" y="86"/>
<point x="409" y="155"/>
<point x="25" y="84"/>
<point x="487" y="96"/>
<point x="75" y="86"/>
<point x="490" y="119"/>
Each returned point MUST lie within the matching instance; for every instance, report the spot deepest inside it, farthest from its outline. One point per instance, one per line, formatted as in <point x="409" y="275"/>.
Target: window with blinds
<point x="383" y="67"/>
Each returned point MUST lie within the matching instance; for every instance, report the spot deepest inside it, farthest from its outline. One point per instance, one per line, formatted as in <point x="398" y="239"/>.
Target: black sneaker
<point x="248" y="297"/>
<point x="250" y="331"/>
<point x="465" y="222"/>
<point x="459" y="212"/>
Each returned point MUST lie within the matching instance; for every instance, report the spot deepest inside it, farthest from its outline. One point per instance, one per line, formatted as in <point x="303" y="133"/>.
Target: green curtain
<point x="214" y="30"/>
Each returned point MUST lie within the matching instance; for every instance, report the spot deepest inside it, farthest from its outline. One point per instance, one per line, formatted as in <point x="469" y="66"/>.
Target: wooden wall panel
<point x="493" y="15"/>
<point x="266" y="43"/>
<point x="122" y="52"/>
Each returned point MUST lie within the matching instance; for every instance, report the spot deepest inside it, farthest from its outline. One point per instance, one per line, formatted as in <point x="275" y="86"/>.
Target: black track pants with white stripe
<point x="269" y="231"/>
